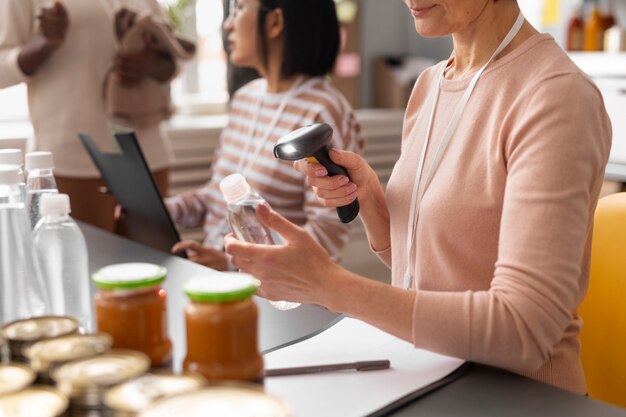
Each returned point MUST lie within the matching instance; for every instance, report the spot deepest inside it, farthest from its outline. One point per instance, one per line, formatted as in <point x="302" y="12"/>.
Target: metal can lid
<point x="36" y="401"/>
<point x="46" y="353"/>
<point x="103" y="370"/>
<point x="221" y="287"/>
<point x="128" y="276"/>
<point x="232" y="401"/>
<point x="137" y="394"/>
<point x="37" y="328"/>
<point x="14" y="377"/>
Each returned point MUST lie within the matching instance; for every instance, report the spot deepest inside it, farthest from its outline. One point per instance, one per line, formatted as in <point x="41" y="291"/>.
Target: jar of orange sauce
<point x="131" y="306"/>
<point x="221" y="323"/>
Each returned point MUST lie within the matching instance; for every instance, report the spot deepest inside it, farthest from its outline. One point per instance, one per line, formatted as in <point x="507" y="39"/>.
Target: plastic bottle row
<point x="44" y="271"/>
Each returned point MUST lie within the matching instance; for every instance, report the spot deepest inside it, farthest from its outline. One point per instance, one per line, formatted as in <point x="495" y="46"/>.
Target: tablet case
<point x="128" y="178"/>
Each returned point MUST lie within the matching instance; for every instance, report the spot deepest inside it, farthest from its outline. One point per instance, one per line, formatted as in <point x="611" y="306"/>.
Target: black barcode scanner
<point x="313" y="143"/>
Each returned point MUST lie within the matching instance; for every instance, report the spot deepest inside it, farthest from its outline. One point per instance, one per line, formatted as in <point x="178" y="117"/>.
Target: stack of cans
<point x="21" y="334"/>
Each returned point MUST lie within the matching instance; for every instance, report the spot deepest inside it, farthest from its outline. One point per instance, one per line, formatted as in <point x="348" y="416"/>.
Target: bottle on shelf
<point x="242" y="203"/>
<point x="575" y="31"/>
<point x="62" y="252"/>
<point x="14" y="157"/>
<point x="23" y="291"/>
<point x="608" y="18"/>
<point x="40" y="181"/>
<point x="593" y="29"/>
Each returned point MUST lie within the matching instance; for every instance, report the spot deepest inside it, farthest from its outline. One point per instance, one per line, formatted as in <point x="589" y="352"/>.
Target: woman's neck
<point x="276" y="83"/>
<point x="474" y="44"/>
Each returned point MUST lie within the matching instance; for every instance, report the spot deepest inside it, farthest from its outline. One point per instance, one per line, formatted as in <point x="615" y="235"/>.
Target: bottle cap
<point x="221" y="287"/>
<point x="11" y="156"/>
<point x="39" y="160"/>
<point x="234" y="187"/>
<point x="55" y="204"/>
<point x="9" y="174"/>
<point x="128" y="276"/>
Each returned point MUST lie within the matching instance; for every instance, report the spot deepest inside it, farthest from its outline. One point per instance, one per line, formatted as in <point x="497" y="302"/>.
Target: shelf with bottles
<point x="593" y="26"/>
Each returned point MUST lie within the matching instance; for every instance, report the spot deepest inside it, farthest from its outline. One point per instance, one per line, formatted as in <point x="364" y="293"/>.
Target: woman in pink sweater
<point x="486" y="222"/>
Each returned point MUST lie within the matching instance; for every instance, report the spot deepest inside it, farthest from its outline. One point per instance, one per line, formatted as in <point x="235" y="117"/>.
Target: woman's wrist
<point x="35" y="53"/>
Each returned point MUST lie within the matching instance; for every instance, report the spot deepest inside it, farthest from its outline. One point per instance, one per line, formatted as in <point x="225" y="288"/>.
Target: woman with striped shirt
<point x="293" y="44"/>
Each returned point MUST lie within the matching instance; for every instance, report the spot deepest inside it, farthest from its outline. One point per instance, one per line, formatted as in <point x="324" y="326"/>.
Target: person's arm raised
<point x="339" y="190"/>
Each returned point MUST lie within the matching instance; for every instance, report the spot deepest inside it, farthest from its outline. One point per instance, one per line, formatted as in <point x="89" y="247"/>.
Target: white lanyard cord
<point x="454" y="121"/>
<point x="242" y="166"/>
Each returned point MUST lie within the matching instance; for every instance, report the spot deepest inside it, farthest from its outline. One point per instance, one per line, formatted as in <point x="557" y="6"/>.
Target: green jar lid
<point x="221" y="287"/>
<point x="129" y="276"/>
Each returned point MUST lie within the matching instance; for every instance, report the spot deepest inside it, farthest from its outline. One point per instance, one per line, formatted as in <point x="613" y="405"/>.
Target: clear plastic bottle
<point x="62" y="252"/>
<point x="242" y="203"/>
<point x="23" y="291"/>
<point x="39" y="166"/>
<point x="14" y="157"/>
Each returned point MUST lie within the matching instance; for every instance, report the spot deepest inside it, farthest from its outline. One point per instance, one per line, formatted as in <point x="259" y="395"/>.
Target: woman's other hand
<point x="203" y="255"/>
<point x="54" y="22"/>
<point x="339" y="190"/>
<point x="299" y="270"/>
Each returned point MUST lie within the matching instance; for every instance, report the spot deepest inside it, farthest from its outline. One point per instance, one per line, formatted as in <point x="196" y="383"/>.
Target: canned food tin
<point x="130" y="398"/>
<point x="22" y="333"/>
<point x="14" y="377"/>
<point x="36" y="401"/>
<point x="222" y="400"/>
<point x="85" y="380"/>
<point x="51" y="353"/>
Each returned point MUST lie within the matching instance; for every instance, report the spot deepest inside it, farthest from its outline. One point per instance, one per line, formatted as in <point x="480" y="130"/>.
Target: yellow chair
<point x="603" y="310"/>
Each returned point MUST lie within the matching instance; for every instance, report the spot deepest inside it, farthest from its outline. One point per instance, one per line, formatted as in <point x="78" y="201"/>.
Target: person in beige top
<point x="63" y="50"/>
<point x="488" y="231"/>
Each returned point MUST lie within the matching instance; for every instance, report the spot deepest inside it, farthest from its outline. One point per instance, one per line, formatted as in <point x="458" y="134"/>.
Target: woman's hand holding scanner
<point x="204" y="255"/>
<point x="54" y="22"/>
<point x="298" y="270"/>
<point x="313" y="143"/>
<point x="337" y="190"/>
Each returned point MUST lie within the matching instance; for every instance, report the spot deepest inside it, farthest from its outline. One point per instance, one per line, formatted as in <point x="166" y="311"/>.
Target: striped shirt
<point x="284" y="188"/>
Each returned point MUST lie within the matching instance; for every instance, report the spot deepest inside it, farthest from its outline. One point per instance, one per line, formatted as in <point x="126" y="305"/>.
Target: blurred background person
<point x="293" y="44"/>
<point x="63" y="51"/>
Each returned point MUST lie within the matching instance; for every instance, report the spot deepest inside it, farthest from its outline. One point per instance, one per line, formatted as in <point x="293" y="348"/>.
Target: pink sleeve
<point x="556" y="151"/>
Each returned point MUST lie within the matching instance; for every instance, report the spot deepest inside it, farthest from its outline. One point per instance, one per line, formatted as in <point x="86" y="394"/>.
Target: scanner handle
<point x="346" y="213"/>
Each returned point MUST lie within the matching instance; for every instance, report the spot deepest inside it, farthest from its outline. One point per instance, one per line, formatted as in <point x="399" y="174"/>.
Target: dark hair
<point x="311" y="36"/>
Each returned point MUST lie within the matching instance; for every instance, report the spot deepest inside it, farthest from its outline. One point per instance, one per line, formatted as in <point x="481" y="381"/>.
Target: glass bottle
<point x="593" y="32"/>
<point x="242" y="203"/>
<point x="40" y="181"/>
<point x="575" y="32"/>
<point x="62" y="252"/>
<point x="131" y="306"/>
<point x="221" y="323"/>
<point x="23" y="291"/>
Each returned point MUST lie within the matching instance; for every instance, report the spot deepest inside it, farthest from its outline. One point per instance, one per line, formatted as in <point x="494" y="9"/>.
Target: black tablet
<point x="128" y="178"/>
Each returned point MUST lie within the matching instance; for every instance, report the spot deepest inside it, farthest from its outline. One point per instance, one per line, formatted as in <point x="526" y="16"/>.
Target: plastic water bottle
<point x="23" y="291"/>
<point x="62" y="252"/>
<point x="39" y="166"/>
<point x="14" y="157"/>
<point x="242" y="203"/>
